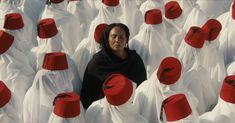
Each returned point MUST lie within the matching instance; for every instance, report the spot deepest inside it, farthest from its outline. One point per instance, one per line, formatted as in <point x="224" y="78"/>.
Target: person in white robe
<point x="178" y="110"/>
<point x="224" y="111"/>
<point x="54" y="78"/>
<point x="29" y="29"/>
<point x="164" y="82"/>
<point x="67" y="109"/>
<point x="87" y="48"/>
<point x="67" y="24"/>
<point x="117" y="106"/>
<point x="214" y="8"/>
<point x="151" y="42"/>
<point x="109" y="11"/>
<point x="83" y="12"/>
<point x="175" y="18"/>
<point x="10" y="110"/>
<point x="196" y="78"/>
<point x="15" y="70"/>
<point x="14" y="25"/>
<point x="131" y="16"/>
<point x="213" y="59"/>
<point x="151" y="4"/>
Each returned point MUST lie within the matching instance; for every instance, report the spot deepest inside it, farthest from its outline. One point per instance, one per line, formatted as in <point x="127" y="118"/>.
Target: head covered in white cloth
<point x="54" y="78"/>
<point x="164" y="82"/>
<point x="67" y="109"/>
<point x="9" y="106"/>
<point x="178" y="110"/>
<point x="87" y="48"/>
<point x="117" y="105"/>
<point x="151" y="42"/>
<point x="224" y="111"/>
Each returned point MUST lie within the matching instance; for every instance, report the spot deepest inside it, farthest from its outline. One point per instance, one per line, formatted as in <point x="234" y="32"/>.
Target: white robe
<point x="38" y="102"/>
<point x="151" y="4"/>
<point x="67" y="25"/>
<point x="151" y="93"/>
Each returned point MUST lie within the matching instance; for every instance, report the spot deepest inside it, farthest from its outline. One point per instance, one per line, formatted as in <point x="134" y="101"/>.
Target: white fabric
<point x="11" y="112"/>
<point x="187" y="5"/>
<point x="151" y="93"/>
<point x="33" y="8"/>
<point x="195" y="17"/>
<point x="101" y="111"/>
<point x="67" y="25"/>
<point x="16" y="72"/>
<point x="152" y="46"/>
<point x="224" y="112"/>
<point x="196" y="78"/>
<point x="106" y="15"/>
<point x="213" y="62"/>
<point x="231" y="68"/>
<point x="214" y="8"/>
<point x="38" y="103"/>
<point x="77" y="119"/>
<point x="29" y="30"/>
<point x="46" y="45"/>
<point x="83" y="12"/>
<point x="151" y="4"/>
<point x="131" y="16"/>
<point x="190" y="119"/>
<point x="84" y="53"/>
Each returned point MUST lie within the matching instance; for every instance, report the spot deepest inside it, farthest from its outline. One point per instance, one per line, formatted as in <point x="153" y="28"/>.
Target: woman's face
<point x="117" y="39"/>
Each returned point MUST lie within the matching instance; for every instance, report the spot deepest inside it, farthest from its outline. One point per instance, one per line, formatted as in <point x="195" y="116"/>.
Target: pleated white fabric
<point x="223" y="112"/>
<point x="101" y="111"/>
<point x="66" y="23"/>
<point x="151" y="93"/>
<point x="38" y="102"/>
<point x="152" y="45"/>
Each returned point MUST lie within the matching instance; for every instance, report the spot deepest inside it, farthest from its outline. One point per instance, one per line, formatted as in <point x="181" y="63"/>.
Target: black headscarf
<point x="105" y="63"/>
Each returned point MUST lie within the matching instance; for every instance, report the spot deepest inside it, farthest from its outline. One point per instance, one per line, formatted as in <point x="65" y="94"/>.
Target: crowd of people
<point x="117" y="61"/>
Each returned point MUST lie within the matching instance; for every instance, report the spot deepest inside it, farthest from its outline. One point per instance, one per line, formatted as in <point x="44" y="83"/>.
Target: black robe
<point x="102" y="65"/>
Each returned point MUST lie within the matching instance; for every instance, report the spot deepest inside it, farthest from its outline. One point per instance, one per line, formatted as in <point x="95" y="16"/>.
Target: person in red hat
<point x="10" y="109"/>
<point x="15" y="69"/>
<point x="87" y="48"/>
<point x="130" y="16"/>
<point x="109" y="12"/>
<point x="114" y="56"/>
<point x="151" y="4"/>
<point x="117" y="105"/>
<point x="178" y="110"/>
<point x="196" y="78"/>
<point x="67" y="24"/>
<point x="151" y="42"/>
<point x="29" y="30"/>
<point x="67" y="109"/>
<point x="164" y="82"/>
<point x="213" y="59"/>
<point x="84" y="13"/>
<point x="225" y="108"/>
<point x="54" y="78"/>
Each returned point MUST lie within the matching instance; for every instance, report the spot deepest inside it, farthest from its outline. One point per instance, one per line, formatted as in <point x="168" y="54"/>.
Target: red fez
<point x="117" y="89"/>
<point x="195" y="37"/>
<point x="6" y="41"/>
<point x="55" y="61"/>
<point x="172" y="10"/>
<point x="228" y="89"/>
<point x="212" y="28"/>
<point x="13" y="21"/>
<point x="47" y="28"/>
<point x="67" y="105"/>
<point x="176" y="107"/>
<point x="233" y="10"/>
<point x="111" y="2"/>
<point x="5" y="94"/>
<point x="169" y="70"/>
<point x="153" y="16"/>
<point x="56" y="1"/>
<point x="98" y="31"/>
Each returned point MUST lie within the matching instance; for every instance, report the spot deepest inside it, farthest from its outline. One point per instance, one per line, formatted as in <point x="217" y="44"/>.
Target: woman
<point x="114" y="57"/>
